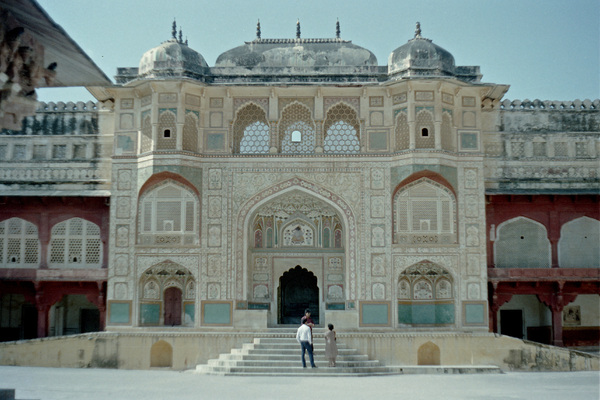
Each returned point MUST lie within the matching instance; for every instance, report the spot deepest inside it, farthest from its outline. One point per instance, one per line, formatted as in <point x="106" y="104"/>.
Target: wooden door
<point x="173" y="306"/>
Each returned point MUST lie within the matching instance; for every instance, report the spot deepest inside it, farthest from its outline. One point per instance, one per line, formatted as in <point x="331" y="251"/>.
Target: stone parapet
<point x="133" y="350"/>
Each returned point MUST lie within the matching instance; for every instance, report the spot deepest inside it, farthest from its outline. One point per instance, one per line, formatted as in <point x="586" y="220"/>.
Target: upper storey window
<point x="297" y="130"/>
<point x="19" y="244"/>
<point x="251" y="133"/>
<point x="168" y="215"/>
<point x="424" y="213"/>
<point x="75" y="243"/>
<point x="341" y="131"/>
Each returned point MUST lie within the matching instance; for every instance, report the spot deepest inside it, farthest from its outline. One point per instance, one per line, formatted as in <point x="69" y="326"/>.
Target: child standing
<point x="331" y="350"/>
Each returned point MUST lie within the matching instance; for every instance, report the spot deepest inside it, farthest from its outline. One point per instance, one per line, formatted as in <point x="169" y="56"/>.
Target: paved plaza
<point x="103" y="384"/>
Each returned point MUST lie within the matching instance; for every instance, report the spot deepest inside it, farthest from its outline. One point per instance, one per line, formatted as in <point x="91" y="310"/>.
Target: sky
<point x="547" y="50"/>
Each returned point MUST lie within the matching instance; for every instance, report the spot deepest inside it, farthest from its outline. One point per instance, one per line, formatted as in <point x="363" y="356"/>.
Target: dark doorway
<point x="511" y="323"/>
<point x="90" y="320"/>
<point x="29" y="319"/>
<point x="173" y="306"/>
<point x="298" y="290"/>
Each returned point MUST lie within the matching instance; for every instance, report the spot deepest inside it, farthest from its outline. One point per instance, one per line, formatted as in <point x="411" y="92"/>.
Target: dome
<point x="172" y="57"/>
<point x="420" y="57"/>
<point x="304" y="53"/>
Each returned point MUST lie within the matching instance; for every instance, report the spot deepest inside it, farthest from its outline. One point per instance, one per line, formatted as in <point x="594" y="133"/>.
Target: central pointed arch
<point x="244" y="219"/>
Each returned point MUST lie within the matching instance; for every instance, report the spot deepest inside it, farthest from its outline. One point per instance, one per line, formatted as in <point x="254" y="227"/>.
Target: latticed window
<point x="448" y="140"/>
<point x="297" y="130"/>
<point x="251" y="133"/>
<point x="169" y="215"/>
<point x="424" y="214"/>
<point x="539" y="149"/>
<point x="402" y="131"/>
<point x="167" y="131"/>
<point x="146" y="145"/>
<point x="190" y="132"/>
<point x="425" y="138"/>
<point x="342" y="130"/>
<point x="19" y="243"/>
<point x="75" y="243"/>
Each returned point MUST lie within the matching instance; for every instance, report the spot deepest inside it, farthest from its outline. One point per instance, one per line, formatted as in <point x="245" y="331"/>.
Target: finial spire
<point x="298" y="29"/>
<point x="258" y="30"/>
<point x="418" y="31"/>
<point x="174" y="29"/>
<point x="180" y="36"/>
<point x="337" y="29"/>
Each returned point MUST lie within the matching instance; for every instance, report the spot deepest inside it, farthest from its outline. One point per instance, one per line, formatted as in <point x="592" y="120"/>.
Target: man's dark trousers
<point x="306" y="347"/>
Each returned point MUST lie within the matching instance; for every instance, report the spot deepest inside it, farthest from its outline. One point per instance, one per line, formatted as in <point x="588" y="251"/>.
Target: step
<point x="274" y="370"/>
<point x="275" y="357"/>
<point x="289" y="363"/>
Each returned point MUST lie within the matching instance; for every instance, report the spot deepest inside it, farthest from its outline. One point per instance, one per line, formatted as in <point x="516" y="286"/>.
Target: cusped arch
<point x="426" y="295"/>
<point x="167" y="130"/>
<point x="249" y="208"/>
<point x="579" y="243"/>
<point x="297" y="117"/>
<point x="251" y="130"/>
<point x="341" y="129"/>
<point x="522" y="242"/>
<point x="19" y="243"/>
<point x="75" y="242"/>
<point x="424" y="210"/>
<point x="168" y="211"/>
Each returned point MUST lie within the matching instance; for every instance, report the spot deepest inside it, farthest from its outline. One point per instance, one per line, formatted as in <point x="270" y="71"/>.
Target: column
<point x="43" y="318"/>
<point x="44" y="234"/>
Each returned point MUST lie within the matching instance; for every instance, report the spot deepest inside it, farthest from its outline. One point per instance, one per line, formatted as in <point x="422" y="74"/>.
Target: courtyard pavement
<point x="107" y="384"/>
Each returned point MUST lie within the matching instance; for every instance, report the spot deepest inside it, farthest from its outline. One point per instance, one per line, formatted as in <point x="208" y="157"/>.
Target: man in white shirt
<point x="304" y="337"/>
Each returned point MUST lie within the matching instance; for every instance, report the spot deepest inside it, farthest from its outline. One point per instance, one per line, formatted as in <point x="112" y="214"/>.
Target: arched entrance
<point x="297" y="291"/>
<point x="173" y="306"/>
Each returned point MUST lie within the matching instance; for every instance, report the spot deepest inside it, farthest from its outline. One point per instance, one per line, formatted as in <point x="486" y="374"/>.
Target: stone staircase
<point x="281" y="356"/>
<point x="278" y="354"/>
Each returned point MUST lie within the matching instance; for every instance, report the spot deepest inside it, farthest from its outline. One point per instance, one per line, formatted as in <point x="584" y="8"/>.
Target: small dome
<point x="172" y="57"/>
<point x="420" y="57"/>
<point x="285" y="53"/>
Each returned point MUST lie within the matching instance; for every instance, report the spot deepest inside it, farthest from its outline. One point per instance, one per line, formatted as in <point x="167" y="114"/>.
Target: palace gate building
<point x="302" y="173"/>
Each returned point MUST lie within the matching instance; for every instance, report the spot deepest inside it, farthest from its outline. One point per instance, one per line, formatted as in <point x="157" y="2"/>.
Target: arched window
<point x="167" y="130"/>
<point x="424" y="213"/>
<point x="190" y="132"/>
<point x="19" y="243"/>
<point x="425" y="130"/>
<point x="251" y="133"/>
<point x="579" y="244"/>
<point x="402" y="131"/>
<point x="168" y="214"/>
<point x="297" y="130"/>
<point x="522" y="243"/>
<point x="146" y="145"/>
<point x="342" y="131"/>
<point x="425" y="294"/>
<point x="75" y="243"/>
